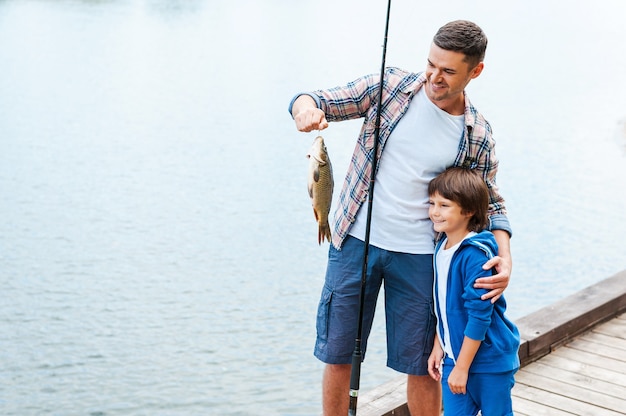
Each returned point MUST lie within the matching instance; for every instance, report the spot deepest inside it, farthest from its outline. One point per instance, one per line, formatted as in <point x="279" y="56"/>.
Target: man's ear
<point x="477" y="70"/>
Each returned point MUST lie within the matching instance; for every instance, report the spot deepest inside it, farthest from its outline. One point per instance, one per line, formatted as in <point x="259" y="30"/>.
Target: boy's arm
<point x="434" y="360"/>
<point x="479" y="314"/>
<point x="457" y="381"/>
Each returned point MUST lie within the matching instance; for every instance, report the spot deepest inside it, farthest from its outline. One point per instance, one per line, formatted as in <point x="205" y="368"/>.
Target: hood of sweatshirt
<point x="484" y="240"/>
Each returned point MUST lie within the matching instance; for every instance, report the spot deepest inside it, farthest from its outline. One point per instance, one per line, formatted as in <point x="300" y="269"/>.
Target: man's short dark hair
<point x="465" y="37"/>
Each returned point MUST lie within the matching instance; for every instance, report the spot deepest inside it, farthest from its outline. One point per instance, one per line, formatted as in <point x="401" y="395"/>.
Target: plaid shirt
<point x="358" y="99"/>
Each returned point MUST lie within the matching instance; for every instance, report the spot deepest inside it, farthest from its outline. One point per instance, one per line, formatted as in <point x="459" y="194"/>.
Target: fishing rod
<point x="357" y="355"/>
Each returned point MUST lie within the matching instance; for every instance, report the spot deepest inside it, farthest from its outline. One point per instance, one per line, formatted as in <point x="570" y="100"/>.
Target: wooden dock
<point x="573" y="356"/>
<point x="586" y="376"/>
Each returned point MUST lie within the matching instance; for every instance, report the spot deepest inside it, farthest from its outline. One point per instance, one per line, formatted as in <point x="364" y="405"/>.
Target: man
<point x="427" y="125"/>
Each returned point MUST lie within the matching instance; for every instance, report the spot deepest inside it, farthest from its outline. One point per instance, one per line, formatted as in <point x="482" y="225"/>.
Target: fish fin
<point x="323" y="232"/>
<point x="316" y="174"/>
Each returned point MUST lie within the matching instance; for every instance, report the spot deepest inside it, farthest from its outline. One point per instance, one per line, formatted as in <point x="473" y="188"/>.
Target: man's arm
<point x="503" y="264"/>
<point x="306" y="114"/>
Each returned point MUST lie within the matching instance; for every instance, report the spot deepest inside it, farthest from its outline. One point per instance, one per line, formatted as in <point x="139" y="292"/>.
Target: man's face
<point x="447" y="76"/>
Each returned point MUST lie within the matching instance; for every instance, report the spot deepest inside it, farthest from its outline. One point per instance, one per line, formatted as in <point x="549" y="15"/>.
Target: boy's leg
<point x="492" y="392"/>
<point x="457" y="404"/>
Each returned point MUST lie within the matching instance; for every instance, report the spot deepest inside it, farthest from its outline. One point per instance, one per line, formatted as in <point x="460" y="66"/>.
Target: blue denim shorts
<point x="410" y="320"/>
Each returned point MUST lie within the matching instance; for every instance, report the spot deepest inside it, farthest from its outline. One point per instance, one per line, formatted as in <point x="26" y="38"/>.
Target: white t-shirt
<point x="442" y="263"/>
<point x="422" y="145"/>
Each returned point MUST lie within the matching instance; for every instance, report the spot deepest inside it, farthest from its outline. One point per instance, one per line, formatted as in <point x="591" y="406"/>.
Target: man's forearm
<point x="504" y="244"/>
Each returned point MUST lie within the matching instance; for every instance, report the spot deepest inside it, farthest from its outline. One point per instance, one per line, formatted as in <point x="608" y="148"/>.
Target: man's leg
<point x="337" y="319"/>
<point x="411" y="328"/>
<point x="423" y="396"/>
<point x="336" y="389"/>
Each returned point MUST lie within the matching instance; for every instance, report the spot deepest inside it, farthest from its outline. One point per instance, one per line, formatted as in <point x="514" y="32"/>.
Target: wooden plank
<point x="601" y="338"/>
<point x="522" y="407"/>
<point x="588" y="370"/>
<point x="386" y="399"/>
<point x="615" y="328"/>
<point x="590" y="359"/>
<point x="580" y="399"/>
<point x="576" y="379"/>
<point x="603" y="351"/>
<point x="560" y="403"/>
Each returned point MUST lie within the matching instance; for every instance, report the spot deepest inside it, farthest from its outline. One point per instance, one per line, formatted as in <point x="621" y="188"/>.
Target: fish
<point x="320" y="186"/>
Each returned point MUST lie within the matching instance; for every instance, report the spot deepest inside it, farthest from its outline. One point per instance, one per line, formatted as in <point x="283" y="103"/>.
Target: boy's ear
<point x="468" y="214"/>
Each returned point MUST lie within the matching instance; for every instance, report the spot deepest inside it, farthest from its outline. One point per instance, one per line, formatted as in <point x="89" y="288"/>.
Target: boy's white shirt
<point x="442" y="268"/>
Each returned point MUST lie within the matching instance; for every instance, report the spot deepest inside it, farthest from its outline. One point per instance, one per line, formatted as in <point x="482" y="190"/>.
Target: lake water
<point x="158" y="252"/>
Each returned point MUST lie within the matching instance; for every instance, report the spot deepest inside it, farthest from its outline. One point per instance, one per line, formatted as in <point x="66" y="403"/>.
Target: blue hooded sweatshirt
<point x="470" y="316"/>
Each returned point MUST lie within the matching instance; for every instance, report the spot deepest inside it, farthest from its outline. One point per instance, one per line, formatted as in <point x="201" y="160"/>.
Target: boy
<point x="476" y="342"/>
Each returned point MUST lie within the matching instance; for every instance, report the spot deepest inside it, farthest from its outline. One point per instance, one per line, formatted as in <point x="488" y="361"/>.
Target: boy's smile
<point x="448" y="217"/>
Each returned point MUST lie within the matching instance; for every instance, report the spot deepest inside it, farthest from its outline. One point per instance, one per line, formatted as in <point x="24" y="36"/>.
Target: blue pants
<point x="488" y="392"/>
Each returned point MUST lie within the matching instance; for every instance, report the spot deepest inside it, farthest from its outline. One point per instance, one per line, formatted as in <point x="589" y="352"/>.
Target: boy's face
<point x="447" y="217"/>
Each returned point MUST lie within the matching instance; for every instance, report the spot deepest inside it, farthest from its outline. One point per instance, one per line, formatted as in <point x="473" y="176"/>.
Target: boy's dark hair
<point x="468" y="189"/>
<point x="465" y="37"/>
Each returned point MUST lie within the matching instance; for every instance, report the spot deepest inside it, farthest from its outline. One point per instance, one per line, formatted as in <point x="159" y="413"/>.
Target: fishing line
<point x="357" y="355"/>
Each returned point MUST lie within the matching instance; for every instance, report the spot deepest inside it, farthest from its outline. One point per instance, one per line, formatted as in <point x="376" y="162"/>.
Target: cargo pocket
<point x="322" y="316"/>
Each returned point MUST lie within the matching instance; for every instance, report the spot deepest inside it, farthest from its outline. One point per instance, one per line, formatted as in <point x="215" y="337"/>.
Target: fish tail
<point x="323" y="232"/>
